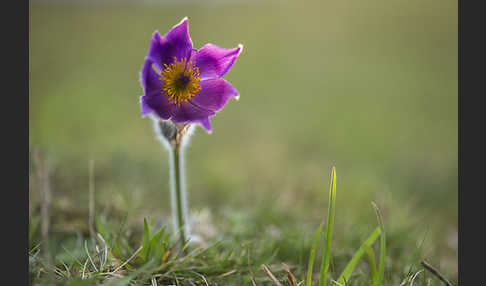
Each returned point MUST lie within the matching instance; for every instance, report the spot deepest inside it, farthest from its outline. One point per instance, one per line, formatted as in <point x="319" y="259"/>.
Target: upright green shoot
<point x="381" y="267"/>
<point x="330" y="221"/>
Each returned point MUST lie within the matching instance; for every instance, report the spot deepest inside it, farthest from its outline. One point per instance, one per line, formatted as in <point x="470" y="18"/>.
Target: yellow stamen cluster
<point x="181" y="81"/>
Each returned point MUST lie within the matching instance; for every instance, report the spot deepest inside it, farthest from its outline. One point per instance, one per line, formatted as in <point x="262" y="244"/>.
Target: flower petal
<point x="176" y="43"/>
<point x="190" y="112"/>
<point x="150" y="79"/>
<point x="153" y="99"/>
<point x="144" y="108"/>
<point x="157" y="104"/>
<point x="214" y="94"/>
<point x="214" y="61"/>
<point x="206" y="123"/>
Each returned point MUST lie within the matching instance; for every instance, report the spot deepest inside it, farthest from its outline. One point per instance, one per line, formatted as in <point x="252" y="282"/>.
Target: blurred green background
<point x="367" y="86"/>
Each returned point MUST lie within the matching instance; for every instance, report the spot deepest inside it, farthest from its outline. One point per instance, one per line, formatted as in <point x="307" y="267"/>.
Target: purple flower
<point x="183" y="84"/>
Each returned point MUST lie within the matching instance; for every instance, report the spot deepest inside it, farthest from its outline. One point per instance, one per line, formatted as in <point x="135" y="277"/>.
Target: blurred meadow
<point x="367" y="86"/>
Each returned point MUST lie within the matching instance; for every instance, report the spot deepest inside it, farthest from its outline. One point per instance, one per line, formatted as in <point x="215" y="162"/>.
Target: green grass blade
<point x="330" y="221"/>
<point x="313" y="255"/>
<point x="381" y="267"/>
<point x="146" y="240"/>
<point x="155" y="245"/>
<point x="344" y="277"/>
<point x="372" y="261"/>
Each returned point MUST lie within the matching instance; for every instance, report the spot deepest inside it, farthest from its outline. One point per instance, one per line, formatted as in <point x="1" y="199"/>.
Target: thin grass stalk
<point x="344" y="277"/>
<point x="372" y="261"/>
<point x="436" y="272"/>
<point x="330" y="221"/>
<point x="313" y="255"/>
<point x="381" y="267"/>
<point x="45" y="200"/>
<point x="91" y="218"/>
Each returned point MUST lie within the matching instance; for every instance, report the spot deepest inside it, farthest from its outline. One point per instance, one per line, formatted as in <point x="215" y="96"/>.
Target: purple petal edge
<point x="190" y="112"/>
<point x="214" y="61"/>
<point x="149" y="78"/>
<point x="176" y="43"/>
<point x="214" y="94"/>
<point x="156" y="104"/>
<point x="206" y="123"/>
<point x="144" y="108"/>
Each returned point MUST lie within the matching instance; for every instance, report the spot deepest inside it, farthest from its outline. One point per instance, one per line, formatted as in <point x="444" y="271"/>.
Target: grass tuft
<point x="145" y="255"/>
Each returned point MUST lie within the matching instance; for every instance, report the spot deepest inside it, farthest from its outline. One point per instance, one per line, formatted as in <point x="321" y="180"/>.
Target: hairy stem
<point x="178" y="196"/>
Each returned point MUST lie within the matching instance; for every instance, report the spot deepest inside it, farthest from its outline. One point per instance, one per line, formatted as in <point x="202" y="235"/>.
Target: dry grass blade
<point x="89" y="256"/>
<point x="415" y="276"/>
<point x="128" y="260"/>
<point x="405" y="281"/>
<point x="436" y="272"/>
<point x="84" y="269"/>
<point x="226" y="274"/>
<point x="166" y="255"/>
<point x="91" y="217"/>
<point x="290" y="277"/>
<point x="105" y="252"/>
<point x="202" y="276"/>
<point x="269" y="273"/>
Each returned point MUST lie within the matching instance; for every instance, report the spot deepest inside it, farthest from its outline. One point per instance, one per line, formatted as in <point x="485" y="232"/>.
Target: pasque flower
<point x="184" y="84"/>
<point x="181" y="86"/>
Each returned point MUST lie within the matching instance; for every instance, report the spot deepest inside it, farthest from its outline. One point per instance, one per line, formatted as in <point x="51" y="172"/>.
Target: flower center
<point x="181" y="81"/>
